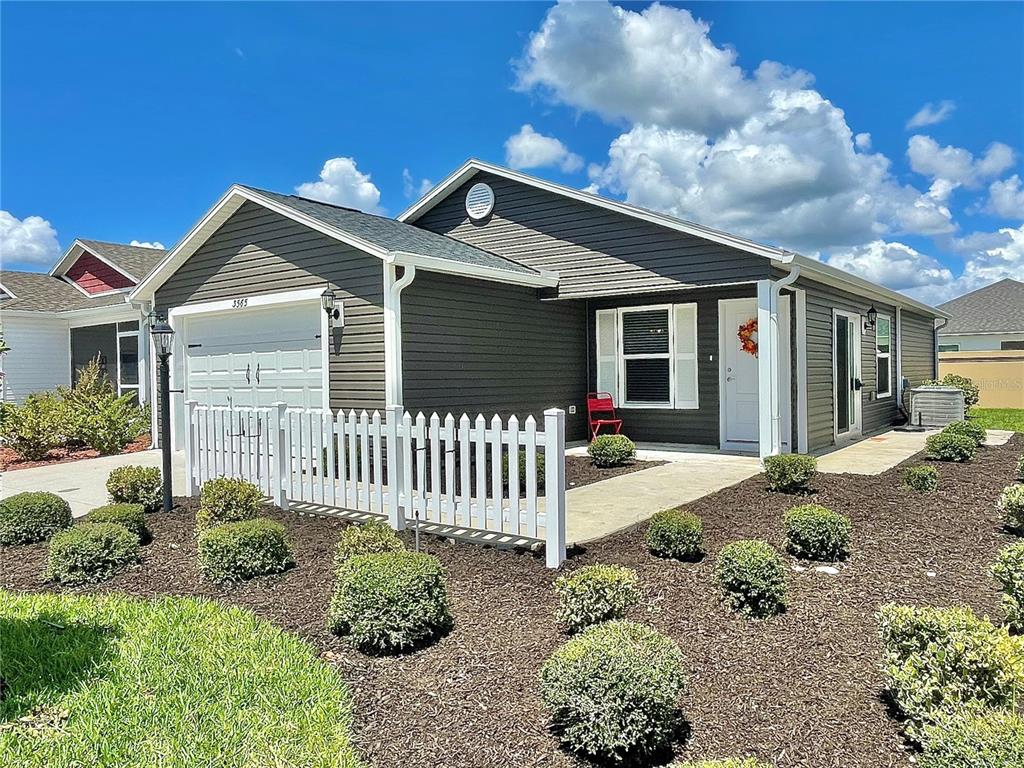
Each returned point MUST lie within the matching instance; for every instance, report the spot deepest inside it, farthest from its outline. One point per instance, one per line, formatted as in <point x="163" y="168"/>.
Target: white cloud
<point x="863" y="141"/>
<point x="145" y="244"/>
<point x="28" y="241"/>
<point x="342" y="183"/>
<point x="895" y="265"/>
<point x="529" y="149"/>
<point x="1006" y="198"/>
<point x="930" y="114"/>
<point x="988" y="257"/>
<point x="413" y="189"/>
<point x="952" y="167"/>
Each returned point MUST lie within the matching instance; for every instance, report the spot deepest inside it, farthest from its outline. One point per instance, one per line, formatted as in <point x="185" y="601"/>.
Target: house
<point x="501" y="292"/>
<point x="56" y="322"/>
<point x="988" y="318"/>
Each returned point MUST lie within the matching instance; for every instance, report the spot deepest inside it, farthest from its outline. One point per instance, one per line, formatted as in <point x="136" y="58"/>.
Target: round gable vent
<point x="479" y="201"/>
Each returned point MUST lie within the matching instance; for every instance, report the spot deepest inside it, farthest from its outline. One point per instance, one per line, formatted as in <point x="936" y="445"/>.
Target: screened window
<point x="949" y="347"/>
<point x="1011" y="345"/>
<point x="646" y="358"/>
<point x="883" y="356"/>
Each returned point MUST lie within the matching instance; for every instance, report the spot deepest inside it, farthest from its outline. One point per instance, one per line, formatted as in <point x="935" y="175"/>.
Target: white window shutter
<point x="685" y="356"/>
<point x="607" y="351"/>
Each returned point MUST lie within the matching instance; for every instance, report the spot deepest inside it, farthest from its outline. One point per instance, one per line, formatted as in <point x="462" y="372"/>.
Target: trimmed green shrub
<point x="676" y="533"/>
<point x="244" y="549"/>
<point x="946" y="447"/>
<point x="939" y="660"/>
<point x="32" y="516"/>
<point x="611" y="450"/>
<point x="131" y="516"/>
<point x="539" y="464"/>
<point x="971" y="392"/>
<point x="35" y="427"/>
<point x="753" y="577"/>
<point x="971" y="429"/>
<point x="612" y="690"/>
<point x="921" y="478"/>
<point x="112" y="422"/>
<point x="90" y="552"/>
<point x="817" y="533"/>
<point x="789" y="472"/>
<point x="369" y="538"/>
<point x="227" y="500"/>
<point x="136" y="485"/>
<point x="390" y="601"/>
<point x="981" y="739"/>
<point x="1020" y="467"/>
<point x="1011" y="504"/>
<point x="596" y="593"/>
<point x="1008" y="570"/>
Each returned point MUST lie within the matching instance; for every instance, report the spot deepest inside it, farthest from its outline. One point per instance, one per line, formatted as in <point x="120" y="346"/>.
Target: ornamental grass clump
<point x="921" y="478"/>
<point x="612" y="691"/>
<point x="753" y="577"/>
<point x="948" y="447"/>
<point x="1011" y="504"/>
<point x="969" y="429"/>
<point x="90" y="552"/>
<point x="790" y="472"/>
<point x="611" y="450"/>
<point x="817" y="533"/>
<point x="131" y="516"/>
<point x="677" y="534"/>
<point x="227" y="500"/>
<point x="136" y="485"/>
<point x="370" y="538"/>
<point x="1008" y="570"/>
<point x="389" y="602"/>
<point x="975" y="739"/>
<point x="939" y="661"/>
<point x="239" y="551"/>
<point x="32" y="516"/>
<point x="595" y="593"/>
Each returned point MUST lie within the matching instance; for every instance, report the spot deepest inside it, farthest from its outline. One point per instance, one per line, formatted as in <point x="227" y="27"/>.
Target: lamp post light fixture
<point x="163" y="339"/>
<point x="329" y="302"/>
<point x="872" y="316"/>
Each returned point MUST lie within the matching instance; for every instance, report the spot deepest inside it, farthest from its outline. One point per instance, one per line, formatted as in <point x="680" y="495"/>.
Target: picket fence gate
<point x="486" y="480"/>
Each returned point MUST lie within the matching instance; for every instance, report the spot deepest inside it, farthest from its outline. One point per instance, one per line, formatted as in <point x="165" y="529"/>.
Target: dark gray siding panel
<point x="481" y="347"/>
<point x="592" y="249"/>
<point x="918" y="348"/>
<point x="258" y="251"/>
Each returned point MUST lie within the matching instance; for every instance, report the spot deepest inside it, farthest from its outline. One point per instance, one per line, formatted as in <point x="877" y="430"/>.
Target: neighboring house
<point x="501" y="292"/>
<point x="986" y="319"/>
<point x="55" y="323"/>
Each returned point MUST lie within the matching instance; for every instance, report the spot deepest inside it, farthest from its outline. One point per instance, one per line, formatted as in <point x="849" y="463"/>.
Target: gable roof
<point x="132" y="261"/>
<point x="809" y="267"/>
<point x="40" y="292"/>
<point x="996" y="308"/>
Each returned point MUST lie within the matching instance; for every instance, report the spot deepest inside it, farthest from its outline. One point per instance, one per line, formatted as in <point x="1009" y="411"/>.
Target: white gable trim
<point x="72" y="254"/>
<point x="8" y="291"/>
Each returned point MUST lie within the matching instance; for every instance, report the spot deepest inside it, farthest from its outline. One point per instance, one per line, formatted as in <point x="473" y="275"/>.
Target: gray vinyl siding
<point x="918" y="348"/>
<point x="482" y="347"/>
<point x="257" y="251"/>
<point x="593" y="250"/>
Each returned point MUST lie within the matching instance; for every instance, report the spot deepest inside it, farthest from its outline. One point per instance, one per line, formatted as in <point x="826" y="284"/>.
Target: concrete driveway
<point x="84" y="483"/>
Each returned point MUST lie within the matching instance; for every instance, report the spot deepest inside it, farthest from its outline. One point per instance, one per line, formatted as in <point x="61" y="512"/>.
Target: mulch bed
<point x="801" y="689"/>
<point x="10" y="460"/>
<point x="580" y="470"/>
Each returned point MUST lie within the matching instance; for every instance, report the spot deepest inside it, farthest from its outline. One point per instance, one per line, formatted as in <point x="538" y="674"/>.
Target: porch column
<point x="767" y="369"/>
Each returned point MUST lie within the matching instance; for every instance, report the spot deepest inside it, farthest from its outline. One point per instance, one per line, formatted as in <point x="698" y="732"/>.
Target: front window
<point x="127" y="358"/>
<point x="883" y="356"/>
<point x="645" y="355"/>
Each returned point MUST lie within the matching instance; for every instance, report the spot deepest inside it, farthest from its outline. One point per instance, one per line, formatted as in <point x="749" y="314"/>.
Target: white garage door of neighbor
<point x="256" y="357"/>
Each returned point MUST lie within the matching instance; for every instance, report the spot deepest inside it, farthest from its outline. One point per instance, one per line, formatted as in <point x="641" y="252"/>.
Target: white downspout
<point x="393" y="287"/>
<point x="774" y="361"/>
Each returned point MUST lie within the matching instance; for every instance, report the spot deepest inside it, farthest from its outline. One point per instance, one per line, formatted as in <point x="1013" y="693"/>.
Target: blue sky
<point x="126" y="121"/>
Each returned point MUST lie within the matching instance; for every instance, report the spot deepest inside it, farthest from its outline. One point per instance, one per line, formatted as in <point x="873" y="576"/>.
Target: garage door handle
<point x="247" y="380"/>
<point x="257" y="373"/>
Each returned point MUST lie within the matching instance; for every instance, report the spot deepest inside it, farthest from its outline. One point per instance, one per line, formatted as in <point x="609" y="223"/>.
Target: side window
<point x="883" y="356"/>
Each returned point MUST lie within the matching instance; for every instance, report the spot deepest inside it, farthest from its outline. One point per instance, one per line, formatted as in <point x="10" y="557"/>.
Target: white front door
<point x="846" y="345"/>
<point x="739" y="374"/>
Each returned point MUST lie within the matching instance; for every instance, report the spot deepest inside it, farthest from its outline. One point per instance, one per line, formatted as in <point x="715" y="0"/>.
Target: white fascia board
<point x="447" y="266"/>
<point x="8" y="291"/>
<point x="946" y="335"/>
<point x="73" y="252"/>
<point x="252" y="302"/>
<point x="79" y="317"/>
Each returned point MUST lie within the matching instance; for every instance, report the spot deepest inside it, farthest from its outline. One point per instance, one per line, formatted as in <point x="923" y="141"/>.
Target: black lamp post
<point x="163" y="336"/>
<point x="329" y="301"/>
<point x="872" y="316"/>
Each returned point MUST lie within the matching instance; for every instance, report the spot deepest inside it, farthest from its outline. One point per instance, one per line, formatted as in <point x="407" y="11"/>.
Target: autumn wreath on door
<point x="747" y="336"/>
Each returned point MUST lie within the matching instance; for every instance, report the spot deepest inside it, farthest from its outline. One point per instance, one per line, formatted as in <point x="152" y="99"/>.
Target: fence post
<point x="281" y="463"/>
<point x="396" y="457"/>
<point x="554" y="486"/>
<point x="192" y="437"/>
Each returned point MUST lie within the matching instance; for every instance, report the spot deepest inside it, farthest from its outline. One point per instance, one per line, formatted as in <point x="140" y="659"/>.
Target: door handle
<point x="858" y="384"/>
<point x="257" y="373"/>
<point x="728" y="378"/>
<point x="247" y="373"/>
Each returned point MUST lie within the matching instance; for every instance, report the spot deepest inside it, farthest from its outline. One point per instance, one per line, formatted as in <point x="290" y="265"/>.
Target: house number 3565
<point x="239" y="303"/>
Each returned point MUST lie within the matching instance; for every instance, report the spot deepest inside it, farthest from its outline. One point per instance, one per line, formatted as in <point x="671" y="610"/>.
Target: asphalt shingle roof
<point x="993" y="309"/>
<point x="134" y="259"/>
<point x="39" y="292"/>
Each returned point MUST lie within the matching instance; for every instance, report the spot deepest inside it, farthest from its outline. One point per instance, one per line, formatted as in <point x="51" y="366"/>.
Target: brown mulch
<point x="800" y="689"/>
<point x="10" y="460"/>
<point x="580" y="470"/>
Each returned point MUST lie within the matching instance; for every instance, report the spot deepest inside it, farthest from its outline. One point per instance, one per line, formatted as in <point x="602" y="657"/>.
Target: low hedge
<point x="369" y="538"/>
<point x="131" y="516"/>
<point x="1008" y="570"/>
<point x="227" y="500"/>
<point x="753" y="577"/>
<point x="612" y="691"/>
<point x="982" y="739"/>
<point x="971" y="429"/>
<point x="390" y="601"/>
<point x="947" y="447"/>
<point x="32" y="516"/>
<point x="676" y="533"/>
<point x="242" y="550"/>
<point x="611" y="450"/>
<point x="596" y="593"/>
<point x="921" y="478"/>
<point x="136" y="485"/>
<point x="90" y="552"/>
<point x="817" y="533"/>
<point x="1011" y="504"/>
<point x="790" y="472"/>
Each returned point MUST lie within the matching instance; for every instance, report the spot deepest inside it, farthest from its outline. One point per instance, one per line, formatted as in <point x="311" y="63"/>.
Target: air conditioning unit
<point x="933" y="406"/>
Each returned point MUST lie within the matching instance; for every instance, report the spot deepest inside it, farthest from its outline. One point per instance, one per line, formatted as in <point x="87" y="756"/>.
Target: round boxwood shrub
<point x="1011" y="504"/>
<point x="538" y="464"/>
<point x="369" y="538"/>
<point x="972" y="393"/>
<point x="676" y="533"/>
<point x="817" y="533"/>
<point x="233" y="552"/>
<point x="227" y="500"/>
<point x="136" y="485"/>
<point x="975" y="739"/>
<point x="90" y="552"/>
<point x="947" y="447"/>
<point x="131" y="516"/>
<point x="611" y="450"/>
<point x="390" y="601"/>
<point x="1008" y="570"/>
<point x="790" y="472"/>
<point x="971" y="429"/>
<point x="611" y="691"/>
<point x="921" y="478"/>
<point x="596" y="593"/>
<point x="32" y="516"/>
<point x="753" y="577"/>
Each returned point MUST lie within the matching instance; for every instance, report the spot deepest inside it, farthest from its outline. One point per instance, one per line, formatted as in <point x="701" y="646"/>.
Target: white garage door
<point x="256" y="357"/>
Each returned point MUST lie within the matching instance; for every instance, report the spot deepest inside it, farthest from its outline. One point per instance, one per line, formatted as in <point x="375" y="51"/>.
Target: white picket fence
<point x="460" y="477"/>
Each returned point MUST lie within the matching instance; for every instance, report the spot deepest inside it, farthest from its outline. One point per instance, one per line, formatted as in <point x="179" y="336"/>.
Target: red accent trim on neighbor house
<point x="95" y="276"/>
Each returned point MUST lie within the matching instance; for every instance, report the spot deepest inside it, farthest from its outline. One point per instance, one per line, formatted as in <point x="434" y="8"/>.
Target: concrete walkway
<point x="878" y="454"/>
<point x="84" y="483"/>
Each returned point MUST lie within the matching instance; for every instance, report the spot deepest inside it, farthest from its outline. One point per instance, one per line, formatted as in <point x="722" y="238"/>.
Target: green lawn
<point x="999" y="418"/>
<point x="173" y="682"/>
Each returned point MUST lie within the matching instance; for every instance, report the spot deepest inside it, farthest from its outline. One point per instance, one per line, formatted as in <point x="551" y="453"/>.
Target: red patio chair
<point x="600" y="407"/>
